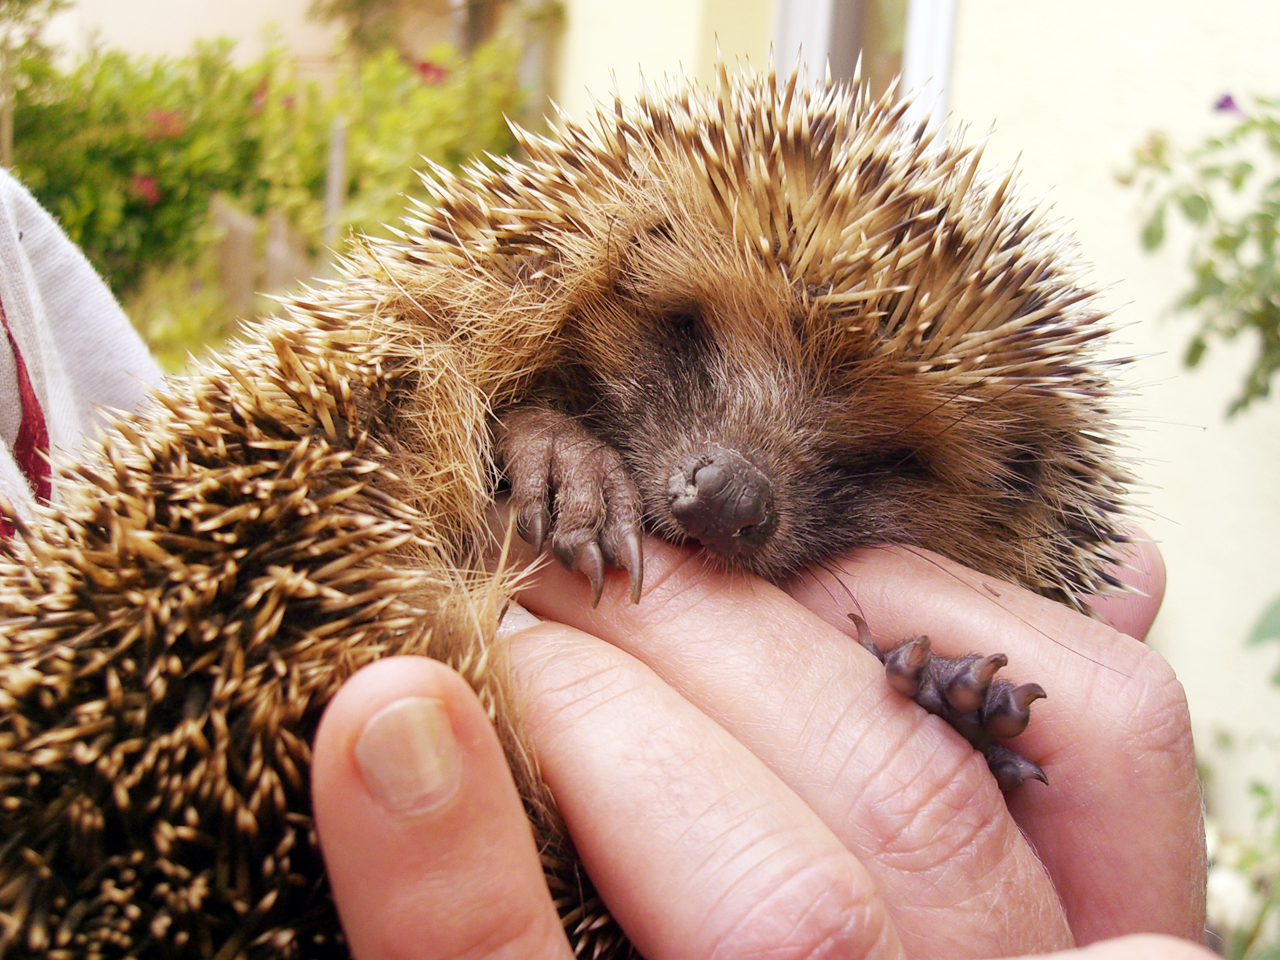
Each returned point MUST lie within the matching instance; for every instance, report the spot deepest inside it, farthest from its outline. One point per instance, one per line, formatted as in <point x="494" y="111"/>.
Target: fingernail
<point x="408" y="757"/>
<point x="516" y="618"/>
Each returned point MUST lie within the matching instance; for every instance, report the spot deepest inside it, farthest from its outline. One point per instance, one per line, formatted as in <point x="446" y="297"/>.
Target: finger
<point x="426" y="844"/>
<point x="912" y="801"/>
<point x="1139" y="947"/>
<point x="1142" y="569"/>
<point x="699" y="850"/>
<point x="1119" y="827"/>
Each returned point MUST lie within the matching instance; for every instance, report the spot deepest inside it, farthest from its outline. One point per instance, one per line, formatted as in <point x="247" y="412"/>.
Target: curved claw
<point x="632" y="559"/>
<point x="968" y="688"/>
<point x="1010" y="769"/>
<point x="864" y="636"/>
<point x="590" y="562"/>
<point x="1008" y="709"/>
<point x="905" y="664"/>
<point x="534" y="531"/>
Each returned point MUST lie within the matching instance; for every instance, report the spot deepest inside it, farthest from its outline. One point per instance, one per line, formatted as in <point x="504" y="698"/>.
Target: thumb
<point x="1142" y="570"/>
<point x="426" y="844"/>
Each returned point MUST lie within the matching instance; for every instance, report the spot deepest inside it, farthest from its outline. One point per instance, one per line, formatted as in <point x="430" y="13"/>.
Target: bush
<point x="127" y="151"/>
<point x="1228" y="191"/>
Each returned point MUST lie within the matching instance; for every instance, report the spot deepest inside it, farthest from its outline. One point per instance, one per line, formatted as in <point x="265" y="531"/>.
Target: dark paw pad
<point x="966" y="693"/>
<point x="569" y="486"/>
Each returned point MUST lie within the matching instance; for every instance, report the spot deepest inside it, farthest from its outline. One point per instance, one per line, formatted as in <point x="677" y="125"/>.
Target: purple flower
<point x="1227" y="104"/>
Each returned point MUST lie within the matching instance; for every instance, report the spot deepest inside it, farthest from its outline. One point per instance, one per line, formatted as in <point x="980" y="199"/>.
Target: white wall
<point x="170" y="27"/>
<point x="1072" y="88"/>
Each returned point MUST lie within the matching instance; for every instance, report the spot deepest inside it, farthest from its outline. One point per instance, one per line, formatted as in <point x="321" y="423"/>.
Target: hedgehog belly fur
<point x="316" y="498"/>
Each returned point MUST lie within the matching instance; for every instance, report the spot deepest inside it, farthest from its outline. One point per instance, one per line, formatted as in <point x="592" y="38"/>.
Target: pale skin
<point x="741" y="782"/>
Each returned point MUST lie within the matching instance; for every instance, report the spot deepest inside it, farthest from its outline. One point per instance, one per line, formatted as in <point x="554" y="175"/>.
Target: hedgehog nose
<point x="719" y="497"/>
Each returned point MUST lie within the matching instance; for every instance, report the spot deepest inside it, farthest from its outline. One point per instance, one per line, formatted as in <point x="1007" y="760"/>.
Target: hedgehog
<point x="771" y="318"/>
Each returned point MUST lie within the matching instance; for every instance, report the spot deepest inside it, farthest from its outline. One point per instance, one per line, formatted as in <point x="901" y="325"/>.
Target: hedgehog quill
<point x="775" y="320"/>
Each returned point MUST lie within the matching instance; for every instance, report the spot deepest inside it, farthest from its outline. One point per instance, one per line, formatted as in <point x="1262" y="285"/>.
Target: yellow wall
<point x="738" y="28"/>
<point x="608" y="39"/>
<point x="1071" y="89"/>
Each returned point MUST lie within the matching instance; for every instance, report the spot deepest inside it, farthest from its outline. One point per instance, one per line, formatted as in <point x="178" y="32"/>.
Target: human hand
<point x="739" y="780"/>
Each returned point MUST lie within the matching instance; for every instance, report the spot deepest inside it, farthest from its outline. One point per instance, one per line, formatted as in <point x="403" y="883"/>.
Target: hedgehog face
<point x="705" y="373"/>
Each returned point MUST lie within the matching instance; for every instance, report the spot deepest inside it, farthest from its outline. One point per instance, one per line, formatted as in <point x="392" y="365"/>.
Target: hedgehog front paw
<point x="965" y="692"/>
<point x="568" y="484"/>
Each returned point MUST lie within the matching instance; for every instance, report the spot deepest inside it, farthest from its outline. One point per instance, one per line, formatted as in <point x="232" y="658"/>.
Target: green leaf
<point x="1239" y="174"/>
<point x="1268" y="625"/>
<point x="1153" y="231"/>
<point x="1194" y="207"/>
<point x="1195" y="351"/>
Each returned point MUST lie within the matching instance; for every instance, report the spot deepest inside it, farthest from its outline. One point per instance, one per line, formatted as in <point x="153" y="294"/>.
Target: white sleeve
<point x="64" y="336"/>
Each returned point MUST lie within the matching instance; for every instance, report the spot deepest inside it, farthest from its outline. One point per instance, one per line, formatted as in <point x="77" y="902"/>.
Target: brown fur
<point x="883" y="327"/>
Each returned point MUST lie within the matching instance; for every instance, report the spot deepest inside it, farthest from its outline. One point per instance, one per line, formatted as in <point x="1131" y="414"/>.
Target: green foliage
<point x="128" y="151"/>
<point x="1267" y="630"/>
<point x="180" y="309"/>
<point x="1244" y="884"/>
<point x="1227" y="190"/>
<point x="394" y="119"/>
<point x="21" y="21"/>
<point x="29" y="12"/>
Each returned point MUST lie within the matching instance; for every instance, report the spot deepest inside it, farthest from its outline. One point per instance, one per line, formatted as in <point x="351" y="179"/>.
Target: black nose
<point x="719" y="497"/>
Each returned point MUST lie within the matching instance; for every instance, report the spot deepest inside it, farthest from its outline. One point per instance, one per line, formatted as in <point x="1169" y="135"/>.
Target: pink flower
<point x="430" y="73"/>
<point x="165" y="124"/>
<point x="1227" y="104"/>
<point x="259" y="98"/>
<point x="145" y="189"/>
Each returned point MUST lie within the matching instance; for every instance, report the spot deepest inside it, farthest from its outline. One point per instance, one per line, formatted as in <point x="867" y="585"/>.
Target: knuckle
<point x="1155" y="711"/>
<point x="819" y="911"/>
<point x="945" y="813"/>
<point x="510" y="934"/>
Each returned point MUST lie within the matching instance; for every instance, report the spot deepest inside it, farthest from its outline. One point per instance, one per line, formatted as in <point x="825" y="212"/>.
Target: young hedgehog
<point x="778" y="321"/>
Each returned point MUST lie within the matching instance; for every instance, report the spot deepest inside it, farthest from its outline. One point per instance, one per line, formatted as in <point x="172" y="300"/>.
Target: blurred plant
<point x="128" y="152"/>
<point x="1228" y="191"/>
<point x="20" y="25"/>
<point x="1244" y="872"/>
<point x="1244" y="884"/>
<point x="397" y="114"/>
<point x="181" y="308"/>
<point x="1267" y="630"/>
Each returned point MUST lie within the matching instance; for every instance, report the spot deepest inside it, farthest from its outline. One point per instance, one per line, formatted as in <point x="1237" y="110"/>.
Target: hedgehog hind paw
<point x="965" y="692"/>
<point x="573" y="488"/>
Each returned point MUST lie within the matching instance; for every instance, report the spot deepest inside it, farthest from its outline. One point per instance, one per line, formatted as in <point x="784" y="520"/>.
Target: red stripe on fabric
<point x="31" y="449"/>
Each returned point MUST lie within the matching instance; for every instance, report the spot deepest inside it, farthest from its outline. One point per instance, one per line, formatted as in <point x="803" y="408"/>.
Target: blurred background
<point x="204" y="154"/>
